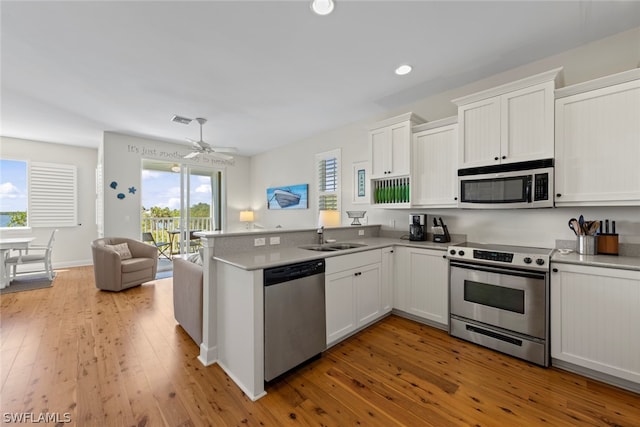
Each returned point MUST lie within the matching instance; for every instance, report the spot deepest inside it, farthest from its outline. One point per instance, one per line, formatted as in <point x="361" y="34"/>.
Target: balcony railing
<point x="167" y="229"/>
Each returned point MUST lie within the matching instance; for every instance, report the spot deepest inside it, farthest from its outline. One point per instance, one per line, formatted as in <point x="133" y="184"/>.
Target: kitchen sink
<point x="332" y="247"/>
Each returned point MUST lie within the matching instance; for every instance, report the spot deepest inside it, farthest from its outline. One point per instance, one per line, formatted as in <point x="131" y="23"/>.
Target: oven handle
<point x="517" y="273"/>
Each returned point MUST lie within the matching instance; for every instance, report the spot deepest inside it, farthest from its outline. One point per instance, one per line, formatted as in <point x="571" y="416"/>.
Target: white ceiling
<point x="265" y="73"/>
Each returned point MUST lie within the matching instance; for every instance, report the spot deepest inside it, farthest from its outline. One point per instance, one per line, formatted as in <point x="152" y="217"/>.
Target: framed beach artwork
<point x="288" y="197"/>
<point x="360" y="182"/>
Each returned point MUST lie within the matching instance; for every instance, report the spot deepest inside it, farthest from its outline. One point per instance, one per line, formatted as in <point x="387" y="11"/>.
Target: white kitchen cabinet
<point x="507" y="124"/>
<point x="435" y="164"/>
<point x="390" y="146"/>
<point x="352" y="293"/>
<point x="387" y="279"/>
<point x="422" y="284"/>
<point x="594" y="317"/>
<point x="598" y="142"/>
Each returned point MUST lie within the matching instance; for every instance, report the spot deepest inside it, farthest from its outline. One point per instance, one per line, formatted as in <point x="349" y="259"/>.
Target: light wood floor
<point x="117" y="359"/>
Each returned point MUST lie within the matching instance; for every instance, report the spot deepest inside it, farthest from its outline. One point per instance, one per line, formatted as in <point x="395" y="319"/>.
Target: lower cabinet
<point x="595" y="313"/>
<point x="352" y="293"/>
<point x="422" y="284"/>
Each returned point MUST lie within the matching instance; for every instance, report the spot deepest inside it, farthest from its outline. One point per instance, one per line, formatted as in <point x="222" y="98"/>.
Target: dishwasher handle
<point x="286" y="273"/>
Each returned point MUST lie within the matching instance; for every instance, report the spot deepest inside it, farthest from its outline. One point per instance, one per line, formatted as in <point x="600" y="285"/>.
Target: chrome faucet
<point x="320" y="232"/>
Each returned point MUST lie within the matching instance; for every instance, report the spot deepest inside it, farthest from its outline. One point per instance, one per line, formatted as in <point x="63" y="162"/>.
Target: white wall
<point x="72" y="245"/>
<point x="294" y="164"/>
<point x="122" y="157"/>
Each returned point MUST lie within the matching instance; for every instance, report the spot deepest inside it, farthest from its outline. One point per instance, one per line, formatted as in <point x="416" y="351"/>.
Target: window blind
<point x="53" y="200"/>
<point x="328" y="185"/>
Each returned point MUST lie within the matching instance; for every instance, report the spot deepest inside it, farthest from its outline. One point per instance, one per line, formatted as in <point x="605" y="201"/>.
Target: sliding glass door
<point x="179" y="200"/>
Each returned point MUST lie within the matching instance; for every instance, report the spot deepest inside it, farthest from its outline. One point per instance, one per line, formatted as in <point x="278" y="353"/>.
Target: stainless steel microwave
<point x="509" y="186"/>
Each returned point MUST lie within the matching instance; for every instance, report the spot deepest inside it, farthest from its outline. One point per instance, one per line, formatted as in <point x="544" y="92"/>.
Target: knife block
<point x="441" y="234"/>
<point x="607" y="244"/>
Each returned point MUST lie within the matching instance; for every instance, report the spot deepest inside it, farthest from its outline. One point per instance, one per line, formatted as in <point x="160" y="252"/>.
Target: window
<point x="38" y="194"/>
<point x="13" y="193"/>
<point x="328" y="179"/>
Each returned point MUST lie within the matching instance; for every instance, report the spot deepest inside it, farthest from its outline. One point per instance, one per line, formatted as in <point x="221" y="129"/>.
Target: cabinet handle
<point x="555" y="270"/>
<point x="495" y="158"/>
<point x="455" y="198"/>
<point x="504" y="157"/>
<point x="558" y="195"/>
<point x="391" y="251"/>
<point x="359" y="273"/>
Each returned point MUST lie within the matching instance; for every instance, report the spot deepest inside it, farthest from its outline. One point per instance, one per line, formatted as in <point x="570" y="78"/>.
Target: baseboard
<point x="208" y="355"/>
<point x="599" y="376"/>
<point x="242" y="387"/>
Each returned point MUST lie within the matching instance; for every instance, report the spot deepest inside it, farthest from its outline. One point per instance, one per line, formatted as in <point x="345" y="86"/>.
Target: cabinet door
<point x="428" y="285"/>
<point x="340" y="305"/>
<point x="479" y="138"/>
<point x="367" y="285"/>
<point x="598" y="147"/>
<point x="422" y="284"/>
<point x="400" y="149"/>
<point x="527" y="124"/>
<point x="594" y="317"/>
<point x="379" y="140"/>
<point x="435" y="166"/>
<point x="387" y="274"/>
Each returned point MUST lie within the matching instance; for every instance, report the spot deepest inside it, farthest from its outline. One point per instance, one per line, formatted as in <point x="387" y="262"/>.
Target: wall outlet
<point x="274" y="240"/>
<point x="260" y="241"/>
<point x="360" y="232"/>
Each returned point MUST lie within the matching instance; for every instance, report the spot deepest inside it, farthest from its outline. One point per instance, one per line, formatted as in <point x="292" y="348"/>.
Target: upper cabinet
<point x="510" y="123"/>
<point x="390" y="146"/>
<point x="598" y="142"/>
<point x="435" y="164"/>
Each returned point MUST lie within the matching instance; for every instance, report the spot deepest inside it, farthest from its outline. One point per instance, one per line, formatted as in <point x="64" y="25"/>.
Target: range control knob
<point x="540" y="261"/>
<point x="461" y="253"/>
<point x="527" y="260"/>
<point x="452" y="251"/>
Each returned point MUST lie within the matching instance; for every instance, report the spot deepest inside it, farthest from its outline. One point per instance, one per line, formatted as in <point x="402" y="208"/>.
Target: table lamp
<point x="246" y="216"/>
<point x="329" y="219"/>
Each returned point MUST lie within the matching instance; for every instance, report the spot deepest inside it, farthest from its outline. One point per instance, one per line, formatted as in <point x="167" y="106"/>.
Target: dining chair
<point x="147" y="237"/>
<point x="26" y="256"/>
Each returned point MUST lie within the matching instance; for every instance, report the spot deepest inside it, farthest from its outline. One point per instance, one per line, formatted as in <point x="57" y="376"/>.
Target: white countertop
<point x="277" y="256"/>
<point x="607" y="261"/>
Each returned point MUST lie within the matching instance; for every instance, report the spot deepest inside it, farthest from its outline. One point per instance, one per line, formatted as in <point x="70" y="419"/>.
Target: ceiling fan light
<point x="322" y="7"/>
<point x="175" y="168"/>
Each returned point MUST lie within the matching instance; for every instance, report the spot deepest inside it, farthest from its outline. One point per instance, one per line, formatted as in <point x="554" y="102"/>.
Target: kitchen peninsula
<point x="233" y="297"/>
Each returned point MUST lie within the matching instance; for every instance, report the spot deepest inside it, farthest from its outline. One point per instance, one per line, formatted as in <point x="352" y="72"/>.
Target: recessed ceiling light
<point x="403" y="70"/>
<point x="322" y="7"/>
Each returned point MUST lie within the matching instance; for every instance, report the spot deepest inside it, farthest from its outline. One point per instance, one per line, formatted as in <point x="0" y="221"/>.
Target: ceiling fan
<point x="201" y="147"/>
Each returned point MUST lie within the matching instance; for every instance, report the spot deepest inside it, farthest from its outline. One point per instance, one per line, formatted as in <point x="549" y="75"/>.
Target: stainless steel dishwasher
<point x="294" y="316"/>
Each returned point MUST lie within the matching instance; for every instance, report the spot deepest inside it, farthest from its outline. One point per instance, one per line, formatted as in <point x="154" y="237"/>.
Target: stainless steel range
<point x="499" y="298"/>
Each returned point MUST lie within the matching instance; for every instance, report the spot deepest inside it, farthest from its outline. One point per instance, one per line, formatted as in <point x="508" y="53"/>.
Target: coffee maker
<point x="417" y="224"/>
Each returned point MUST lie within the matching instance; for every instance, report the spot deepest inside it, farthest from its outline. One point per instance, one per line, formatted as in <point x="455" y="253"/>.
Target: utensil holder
<point x="608" y="244"/>
<point x="587" y="245"/>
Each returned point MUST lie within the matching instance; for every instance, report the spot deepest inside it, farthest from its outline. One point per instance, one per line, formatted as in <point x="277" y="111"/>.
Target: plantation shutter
<point x="328" y="182"/>
<point x="53" y="200"/>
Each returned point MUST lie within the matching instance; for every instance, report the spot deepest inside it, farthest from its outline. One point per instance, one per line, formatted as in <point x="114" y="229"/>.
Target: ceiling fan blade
<point x="191" y="155"/>
<point x="220" y="156"/>
<point x="225" y="149"/>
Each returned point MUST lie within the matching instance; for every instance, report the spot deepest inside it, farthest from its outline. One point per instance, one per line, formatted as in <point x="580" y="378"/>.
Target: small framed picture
<point x="360" y="182"/>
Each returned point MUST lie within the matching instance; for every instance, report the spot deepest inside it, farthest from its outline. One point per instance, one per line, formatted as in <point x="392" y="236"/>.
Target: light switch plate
<point x="360" y="232"/>
<point x="274" y="240"/>
<point x="260" y="241"/>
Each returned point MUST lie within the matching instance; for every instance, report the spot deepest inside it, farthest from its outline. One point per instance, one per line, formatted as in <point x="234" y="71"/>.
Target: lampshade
<point x="329" y="219"/>
<point x="246" y="216"/>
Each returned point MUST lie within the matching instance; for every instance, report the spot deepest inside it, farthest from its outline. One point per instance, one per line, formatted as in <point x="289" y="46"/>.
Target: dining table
<point x="6" y="245"/>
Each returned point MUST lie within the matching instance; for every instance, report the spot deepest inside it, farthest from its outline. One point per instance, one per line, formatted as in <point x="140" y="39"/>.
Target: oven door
<point x="510" y="299"/>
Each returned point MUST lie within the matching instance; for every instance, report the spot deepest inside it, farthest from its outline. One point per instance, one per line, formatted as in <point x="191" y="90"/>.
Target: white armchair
<point x="27" y="256"/>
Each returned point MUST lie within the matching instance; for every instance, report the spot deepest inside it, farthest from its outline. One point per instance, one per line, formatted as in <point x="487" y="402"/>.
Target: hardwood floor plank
<point x="120" y="359"/>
